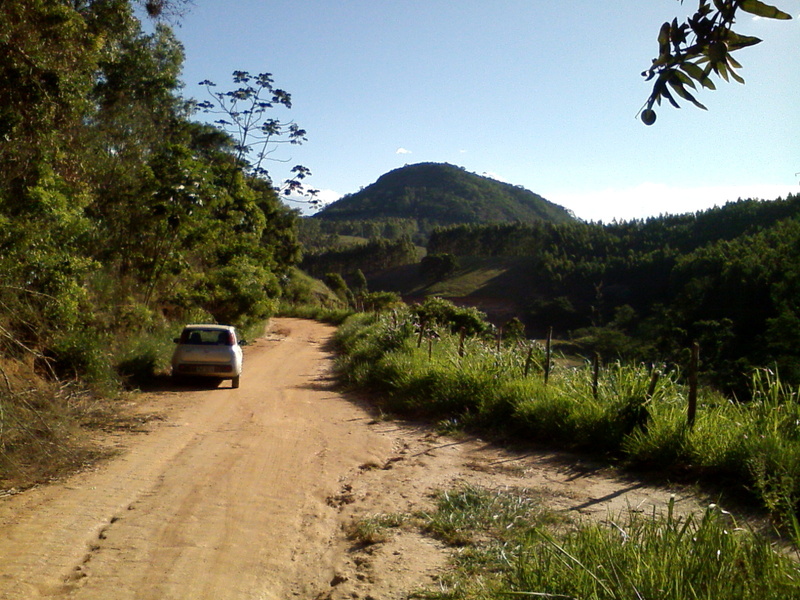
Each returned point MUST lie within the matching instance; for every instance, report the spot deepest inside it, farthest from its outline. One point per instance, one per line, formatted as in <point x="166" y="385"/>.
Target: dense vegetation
<point x="445" y="363"/>
<point x="434" y="194"/>
<point x="726" y="277"/>
<point x="119" y="214"/>
<point x="318" y="235"/>
<point x="643" y="289"/>
<point x="374" y="255"/>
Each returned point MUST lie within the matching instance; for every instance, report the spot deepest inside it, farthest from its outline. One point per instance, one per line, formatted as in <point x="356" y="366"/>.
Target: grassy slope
<point x="501" y="287"/>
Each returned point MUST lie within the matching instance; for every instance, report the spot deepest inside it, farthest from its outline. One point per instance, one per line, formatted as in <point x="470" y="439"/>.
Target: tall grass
<point x="39" y="436"/>
<point x="510" y="546"/>
<point x="334" y="316"/>
<point x="51" y="400"/>
<point x="665" y="557"/>
<point x="753" y="446"/>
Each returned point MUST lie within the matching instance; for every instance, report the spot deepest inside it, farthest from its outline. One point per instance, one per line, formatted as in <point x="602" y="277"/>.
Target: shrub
<point x="437" y="311"/>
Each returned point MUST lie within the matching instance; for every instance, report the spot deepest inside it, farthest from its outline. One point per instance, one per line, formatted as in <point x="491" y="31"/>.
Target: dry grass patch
<point x="46" y="427"/>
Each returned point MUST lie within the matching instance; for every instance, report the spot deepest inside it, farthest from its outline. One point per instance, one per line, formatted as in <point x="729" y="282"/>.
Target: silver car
<point x="206" y="350"/>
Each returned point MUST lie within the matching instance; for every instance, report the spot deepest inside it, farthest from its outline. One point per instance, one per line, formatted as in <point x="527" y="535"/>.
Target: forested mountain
<point x="434" y="194"/>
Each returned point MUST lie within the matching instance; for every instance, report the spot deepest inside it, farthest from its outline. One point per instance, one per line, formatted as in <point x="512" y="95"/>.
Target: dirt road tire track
<point x="220" y="502"/>
<point x="246" y="493"/>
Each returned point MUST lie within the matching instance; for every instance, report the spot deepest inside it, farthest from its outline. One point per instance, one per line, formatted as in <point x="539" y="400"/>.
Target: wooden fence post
<point x="644" y="412"/>
<point x="529" y="360"/>
<point x="693" y="368"/>
<point x="595" y="374"/>
<point x="422" y="325"/>
<point x="547" y="351"/>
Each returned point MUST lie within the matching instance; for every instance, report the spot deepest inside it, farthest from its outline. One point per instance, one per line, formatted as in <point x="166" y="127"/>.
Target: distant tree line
<point x="375" y="255"/>
<point x="679" y="232"/>
<point x="317" y="234"/>
<point x="728" y="277"/>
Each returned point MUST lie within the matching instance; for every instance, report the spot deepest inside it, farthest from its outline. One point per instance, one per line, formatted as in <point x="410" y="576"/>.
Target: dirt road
<point x="247" y="493"/>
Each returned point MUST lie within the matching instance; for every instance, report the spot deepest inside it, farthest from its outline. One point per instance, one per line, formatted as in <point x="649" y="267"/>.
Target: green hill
<point x="434" y="194"/>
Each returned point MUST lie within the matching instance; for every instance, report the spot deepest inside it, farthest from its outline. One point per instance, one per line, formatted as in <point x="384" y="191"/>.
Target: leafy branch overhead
<point x="243" y="115"/>
<point x="690" y="52"/>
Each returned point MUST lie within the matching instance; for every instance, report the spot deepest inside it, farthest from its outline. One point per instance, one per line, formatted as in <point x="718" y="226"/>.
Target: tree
<point x="435" y="267"/>
<point x="691" y="51"/>
<point x="338" y="286"/>
<point x="116" y="210"/>
<point x="359" y="285"/>
<point x="243" y="114"/>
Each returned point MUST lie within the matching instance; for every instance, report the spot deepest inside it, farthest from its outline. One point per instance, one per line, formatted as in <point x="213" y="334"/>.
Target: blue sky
<point x="540" y="94"/>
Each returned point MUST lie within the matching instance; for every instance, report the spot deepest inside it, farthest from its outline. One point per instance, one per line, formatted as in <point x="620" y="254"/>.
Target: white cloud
<point x="494" y="176"/>
<point x="302" y="204"/>
<point x="403" y="151"/>
<point x="654" y="199"/>
<point x="328" y="196"/>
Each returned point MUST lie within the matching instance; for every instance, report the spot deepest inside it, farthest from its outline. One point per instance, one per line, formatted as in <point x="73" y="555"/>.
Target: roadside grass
<point x="752" y="448"/>
<point x="470" y="515"/>
<point x="44" y="424"/>
<point x="332" y="316"/>
<point x="509" y="546"/>
<point x="375" y="528"/>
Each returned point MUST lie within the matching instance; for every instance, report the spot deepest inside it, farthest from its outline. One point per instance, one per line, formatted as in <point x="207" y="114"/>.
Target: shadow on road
<point x="167" y="383"/>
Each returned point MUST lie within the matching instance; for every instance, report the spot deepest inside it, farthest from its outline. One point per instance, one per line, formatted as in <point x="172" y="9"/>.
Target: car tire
<point x="235" y="382"/>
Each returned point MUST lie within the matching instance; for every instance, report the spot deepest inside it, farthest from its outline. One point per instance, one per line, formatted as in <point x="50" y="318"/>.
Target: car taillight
<point x="231" y="341"/>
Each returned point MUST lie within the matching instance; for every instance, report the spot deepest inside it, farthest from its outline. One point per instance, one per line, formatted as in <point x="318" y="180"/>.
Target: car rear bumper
<point x="205" y="370"/>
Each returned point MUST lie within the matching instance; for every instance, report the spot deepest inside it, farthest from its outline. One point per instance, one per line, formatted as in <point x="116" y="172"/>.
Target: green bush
<point x="240" y="293"/>
<point x="144" y="354"/>
<point x="84" y="354"/>
<point x="437" y="311"/>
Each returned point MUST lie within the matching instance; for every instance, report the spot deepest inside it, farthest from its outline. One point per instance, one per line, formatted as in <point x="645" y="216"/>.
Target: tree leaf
<point x="663" y="40"/>
<point x="736" y="76"/>
<point x="684" y="79"/>
<point x="677" y="84"/>
<point x="698" y="74"/>
<point x="733" y="63"/>
<point x="669" y="97"/>
<point x="737" y="42"/>
<point x="721" y="69"/>
<point x="756" y="7"/>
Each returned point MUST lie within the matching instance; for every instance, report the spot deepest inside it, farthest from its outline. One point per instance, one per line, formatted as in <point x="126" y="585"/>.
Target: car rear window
<point x="207" y="337"/>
